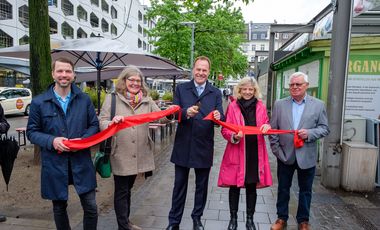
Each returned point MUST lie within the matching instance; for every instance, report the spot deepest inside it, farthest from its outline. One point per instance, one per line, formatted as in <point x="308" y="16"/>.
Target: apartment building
<point x="71" y="19"/>
<point x="257" y="35"/>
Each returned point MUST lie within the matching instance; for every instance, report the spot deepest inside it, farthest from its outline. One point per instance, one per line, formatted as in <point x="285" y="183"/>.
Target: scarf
<point x="133" y="99"/>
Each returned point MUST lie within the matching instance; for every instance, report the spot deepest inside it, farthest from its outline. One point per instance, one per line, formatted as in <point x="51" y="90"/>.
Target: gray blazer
<point x="314" y="119"/>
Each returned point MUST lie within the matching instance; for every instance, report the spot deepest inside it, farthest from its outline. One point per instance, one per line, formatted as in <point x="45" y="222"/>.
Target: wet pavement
<point x="151" y="201"/>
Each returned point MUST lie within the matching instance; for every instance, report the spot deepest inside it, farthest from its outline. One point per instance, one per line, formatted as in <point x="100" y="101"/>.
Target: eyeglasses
<point x="296" y="84"/>
<point x="134" y="80"/>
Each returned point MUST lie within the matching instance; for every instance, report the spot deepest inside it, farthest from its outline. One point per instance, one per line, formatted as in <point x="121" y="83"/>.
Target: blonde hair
<point x="247" y="81"/>
<point x="127" y="72"/>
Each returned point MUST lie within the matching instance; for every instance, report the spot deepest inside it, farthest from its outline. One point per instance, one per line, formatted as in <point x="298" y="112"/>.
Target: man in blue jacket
<point x="194" y="141"/>
<point x="60" y="113"/>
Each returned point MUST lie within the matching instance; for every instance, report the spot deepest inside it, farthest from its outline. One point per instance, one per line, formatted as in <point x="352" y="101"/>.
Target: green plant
<point x="168" y="96"/>
<point x="92" y="93"/>
<point x="154" y="94"/>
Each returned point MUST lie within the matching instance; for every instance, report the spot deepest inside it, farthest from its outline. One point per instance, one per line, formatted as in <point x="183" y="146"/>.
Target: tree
<point x="219" y="31"/>
<point x="40" y="59"/>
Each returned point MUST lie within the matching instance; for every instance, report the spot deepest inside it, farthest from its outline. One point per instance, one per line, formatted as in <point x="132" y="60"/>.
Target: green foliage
<point x="154" y="94"/>
<point x="40" y="58"/>
<point x="92" y="93"/>
<point x="219" y="32"/>
<point x="168" y="96"/>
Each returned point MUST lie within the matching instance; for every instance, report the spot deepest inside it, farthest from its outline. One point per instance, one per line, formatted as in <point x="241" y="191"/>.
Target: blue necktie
<point x="199" y="90"/>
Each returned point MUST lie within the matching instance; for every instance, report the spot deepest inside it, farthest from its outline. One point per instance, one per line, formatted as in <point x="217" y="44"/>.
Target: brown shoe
<point x="132" y="226"/>
<point x="304" y="226"/>
<point x="278" y="225"/>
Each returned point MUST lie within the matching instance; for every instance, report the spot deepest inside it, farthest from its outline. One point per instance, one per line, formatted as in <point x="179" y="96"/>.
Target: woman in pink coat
<point x="245" y="161"/>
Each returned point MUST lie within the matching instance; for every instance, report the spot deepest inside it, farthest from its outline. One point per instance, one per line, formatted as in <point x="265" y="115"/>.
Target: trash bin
<point x="359" y="166"/>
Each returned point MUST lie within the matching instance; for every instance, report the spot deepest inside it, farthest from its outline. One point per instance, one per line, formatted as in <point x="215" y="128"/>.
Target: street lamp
<point x="192" y="24"/>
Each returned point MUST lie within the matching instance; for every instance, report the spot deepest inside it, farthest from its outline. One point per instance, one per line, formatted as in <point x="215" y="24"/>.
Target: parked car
<point x="161" y="92"/>
<point x="15" y="100"/>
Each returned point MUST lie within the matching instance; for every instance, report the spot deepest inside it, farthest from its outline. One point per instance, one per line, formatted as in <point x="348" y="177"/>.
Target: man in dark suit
<point x="194" y="141"/>
<point x="307" y="115"/>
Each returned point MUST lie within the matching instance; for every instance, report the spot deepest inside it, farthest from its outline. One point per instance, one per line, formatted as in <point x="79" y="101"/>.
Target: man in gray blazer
<point x="307" y="115"/>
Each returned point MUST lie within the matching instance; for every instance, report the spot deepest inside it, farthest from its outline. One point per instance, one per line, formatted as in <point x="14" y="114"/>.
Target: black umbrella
<point x="8" y="153"/>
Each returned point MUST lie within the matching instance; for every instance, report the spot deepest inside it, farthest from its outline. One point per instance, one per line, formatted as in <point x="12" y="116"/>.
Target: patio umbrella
<point x="100" y="54"/>
<point x="8" y="153"/>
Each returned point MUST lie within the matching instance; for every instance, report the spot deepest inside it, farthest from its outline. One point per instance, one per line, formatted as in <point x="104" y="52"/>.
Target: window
<point x="5" y="40"/>
<point x="139" y="43"/>
<point x="95" y="2"/>
<point x="145" y="20"/>
<point x="261" y="58"/>
<point x="53" y="3"/>
<point x="24" y="40"/>
<point x="81" y="13"/>
<point x="94" y="21"/>
<point x="113" y="12"/>
<point x="263" y="36"/>
<point x="252" y="59"/>
<point x="105" y="26"/>
<point x="53" y="26"/>
<point x="81" y="33"/>
<point x="105" y="6"/>
<point x="140" y="29"/>
<point x="23" y="15"/>
<point x="5" y="10"/>
<point x="144" y="45"/>
<point x="253" y="47"/>
<point x="254" y="36"/>
<point x="67" y="31"/>
<point x="262" y="47"/>
<point x="140" y="16"/>
<point x="113" y="29"/>
<point x="67" y="7"/>
<point x="285" y="36"/>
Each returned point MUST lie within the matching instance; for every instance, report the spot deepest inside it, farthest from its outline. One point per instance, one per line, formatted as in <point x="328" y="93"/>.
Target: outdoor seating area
<point x="165" y="130"/>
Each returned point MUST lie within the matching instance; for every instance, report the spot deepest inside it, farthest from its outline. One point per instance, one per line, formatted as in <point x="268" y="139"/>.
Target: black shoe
<point x="250" y="224"/>
<point x="173" y="227"/>
<point x="197" y="224"/>
<point x="2" y="218"/>
<point x="233" y="221"/>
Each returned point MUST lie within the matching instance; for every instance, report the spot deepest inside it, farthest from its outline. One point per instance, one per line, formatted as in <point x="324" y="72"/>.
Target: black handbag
<point x="102" y="157"/>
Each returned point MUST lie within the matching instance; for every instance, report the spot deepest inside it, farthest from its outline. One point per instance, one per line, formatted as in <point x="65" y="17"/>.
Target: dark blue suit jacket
<point x="194" y="140"/>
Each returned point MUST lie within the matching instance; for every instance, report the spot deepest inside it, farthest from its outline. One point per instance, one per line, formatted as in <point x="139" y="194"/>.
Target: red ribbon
<point x="298" y="142"/>
<point x="129" y="121"/>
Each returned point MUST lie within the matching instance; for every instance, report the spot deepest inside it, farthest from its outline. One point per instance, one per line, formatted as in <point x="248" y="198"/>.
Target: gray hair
<point x="247" y="81"/>
<point x="298" y="74"/>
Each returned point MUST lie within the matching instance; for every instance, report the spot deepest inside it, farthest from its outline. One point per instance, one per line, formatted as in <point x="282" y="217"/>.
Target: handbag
<point x="102" y="157"/>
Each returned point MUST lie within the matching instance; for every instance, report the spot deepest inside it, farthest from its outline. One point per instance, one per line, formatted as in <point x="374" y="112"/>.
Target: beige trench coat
<point x="132" y="148"/>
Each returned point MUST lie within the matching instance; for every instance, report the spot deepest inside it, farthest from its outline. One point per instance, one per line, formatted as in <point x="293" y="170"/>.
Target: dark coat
<point x="48" y="121"/>
<point x="4" y="125"/>
<point x="194" y="140"/>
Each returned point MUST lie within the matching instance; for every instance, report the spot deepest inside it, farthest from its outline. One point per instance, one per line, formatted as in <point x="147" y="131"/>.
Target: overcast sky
<point x="284" y="11"/>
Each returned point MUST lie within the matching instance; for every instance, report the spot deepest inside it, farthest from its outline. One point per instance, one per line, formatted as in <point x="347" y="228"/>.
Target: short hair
<point x="297" y="74"/>
<point x="203" y="58"/>
<point x="127" y="72"/>
<point x="245" y="81"/>
<point x="63" y="60"/>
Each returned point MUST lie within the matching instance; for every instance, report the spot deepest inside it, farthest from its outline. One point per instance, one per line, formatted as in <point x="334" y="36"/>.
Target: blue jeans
<point x="305" y="183"/>
<point x="90" y="217"/>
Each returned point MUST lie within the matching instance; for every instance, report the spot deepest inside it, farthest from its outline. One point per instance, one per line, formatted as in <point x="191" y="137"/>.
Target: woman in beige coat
<point x="132" y="148"/>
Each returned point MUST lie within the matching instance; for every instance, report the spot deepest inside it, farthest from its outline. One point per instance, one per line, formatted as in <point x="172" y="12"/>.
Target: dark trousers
<point x="180" y="190"/>
<point x="305" y="183"/>
<point x="122" y="199"/>
<point x="251" y="197"/>
<point x="90" y="217"/>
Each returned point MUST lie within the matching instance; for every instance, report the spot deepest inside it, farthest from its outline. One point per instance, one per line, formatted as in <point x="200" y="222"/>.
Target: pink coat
<point x="232" y="169"/>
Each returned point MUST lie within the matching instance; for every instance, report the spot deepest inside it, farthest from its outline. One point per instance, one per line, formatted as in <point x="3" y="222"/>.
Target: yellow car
<point x="15" y="100"/>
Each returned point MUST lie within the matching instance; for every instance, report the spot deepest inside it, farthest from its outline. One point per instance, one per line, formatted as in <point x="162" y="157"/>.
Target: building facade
<point x="123" y="20"/>
<point x="257" y="44"/>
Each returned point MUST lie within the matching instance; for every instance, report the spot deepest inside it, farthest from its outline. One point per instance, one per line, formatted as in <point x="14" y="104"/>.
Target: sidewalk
<point x="151" y="202"/>
<point x="330" y="210"/>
